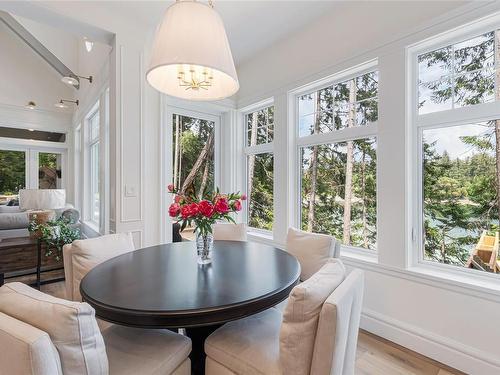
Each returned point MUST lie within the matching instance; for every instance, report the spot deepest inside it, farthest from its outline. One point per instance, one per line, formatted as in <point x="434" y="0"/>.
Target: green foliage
<point x="330" y="191"/>
<point x="261" y="210"/>
<point x="194" y="133"/>
<point x="55" y="234"/>
<point x="12" y="171"/>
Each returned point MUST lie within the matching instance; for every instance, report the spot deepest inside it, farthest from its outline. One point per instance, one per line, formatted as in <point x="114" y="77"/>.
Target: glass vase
<point x="204" y="245"/>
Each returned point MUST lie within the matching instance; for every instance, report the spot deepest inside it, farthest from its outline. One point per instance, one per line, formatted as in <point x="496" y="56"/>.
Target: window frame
<point x="31" y="150"/>
<point x="337" y="136"/>
<point x="418" y="123"/>
<point x="166" y="159"/>
<point x="89" y="144"/>
<point x="263" y="148"/>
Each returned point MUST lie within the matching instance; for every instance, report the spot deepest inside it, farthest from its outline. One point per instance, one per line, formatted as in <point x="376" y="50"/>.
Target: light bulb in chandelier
<point x="193" y="77"/>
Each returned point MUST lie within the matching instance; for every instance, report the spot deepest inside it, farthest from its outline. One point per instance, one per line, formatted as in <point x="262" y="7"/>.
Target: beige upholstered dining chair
<point x="317" y="333"/>
<point x="45" y="335"/>
<point x="311" y="249"/>
<point x="83" y="255"/>
<point x="230" y="232"/>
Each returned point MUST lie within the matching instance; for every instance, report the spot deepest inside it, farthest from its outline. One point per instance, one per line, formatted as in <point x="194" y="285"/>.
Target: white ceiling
<point x="250" y="25"/>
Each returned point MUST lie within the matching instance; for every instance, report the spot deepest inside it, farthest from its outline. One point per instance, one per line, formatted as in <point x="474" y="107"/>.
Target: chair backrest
<point x="301" y="316"/>
<point x="71" y="326"/>
<point x="26" y="349"/>
<point x="83" y="255"/>
<point x="311" y="249"/>
<point x="230" y="232"/>
<point x="337" y="334"/>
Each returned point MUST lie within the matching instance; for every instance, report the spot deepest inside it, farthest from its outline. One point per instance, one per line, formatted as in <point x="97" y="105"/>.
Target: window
<point x="12" y="174"/>
<point x="458" y="75"/>
<point x="93" y="154"/>
<point x="337" y="166"/>
<point x="459" y="194"/>
<point x="343" y="105"/>
<point x="30" y="168"/>
<point x="193" y="154"/>
<point x="458" y="179"/>
<point x="259" y="126"/>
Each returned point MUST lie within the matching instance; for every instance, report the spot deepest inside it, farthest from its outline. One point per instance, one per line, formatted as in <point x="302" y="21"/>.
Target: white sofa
<point x="14" y="219"/>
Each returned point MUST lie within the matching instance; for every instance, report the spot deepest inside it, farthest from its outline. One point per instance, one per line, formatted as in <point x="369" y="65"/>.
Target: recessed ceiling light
<point x="30" y="105"/>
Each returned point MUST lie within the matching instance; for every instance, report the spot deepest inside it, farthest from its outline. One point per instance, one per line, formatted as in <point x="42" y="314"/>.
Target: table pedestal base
<point x="197" y="356"/>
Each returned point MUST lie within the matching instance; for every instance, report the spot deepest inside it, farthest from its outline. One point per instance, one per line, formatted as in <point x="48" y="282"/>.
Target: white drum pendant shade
<point x="191" y="38"/>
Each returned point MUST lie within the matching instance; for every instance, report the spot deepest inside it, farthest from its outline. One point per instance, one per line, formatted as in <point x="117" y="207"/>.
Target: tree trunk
<point x="346" y="232"/>
<point x="203" y="157"/>
<point x="176" y="149"/>
<point x="314" y="168"/>
<point x="251" y="158"/>
<point x="363" y="187"/>
<point x="204" y="180"/>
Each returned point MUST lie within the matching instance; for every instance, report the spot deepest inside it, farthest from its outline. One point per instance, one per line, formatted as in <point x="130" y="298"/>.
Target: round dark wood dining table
<point x="164" y="287"/>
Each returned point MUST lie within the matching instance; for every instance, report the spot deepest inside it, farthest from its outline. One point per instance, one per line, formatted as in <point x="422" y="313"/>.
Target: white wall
<point x="62" y="44"/>
<point x="127" y="115"/>
<point x="25" y="76"/>
<point x="450" y="320"/>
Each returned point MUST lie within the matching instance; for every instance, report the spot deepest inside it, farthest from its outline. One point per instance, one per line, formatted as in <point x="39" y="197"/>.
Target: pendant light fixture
<point x="191" y="57"/>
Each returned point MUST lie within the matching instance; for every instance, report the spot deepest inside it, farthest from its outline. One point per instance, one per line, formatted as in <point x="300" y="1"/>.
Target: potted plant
<point x="189" y="210"/>
<point x="54" y="234"/>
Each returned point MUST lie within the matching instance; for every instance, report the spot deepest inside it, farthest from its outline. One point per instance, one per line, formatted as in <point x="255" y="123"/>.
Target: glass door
<point x="49" y="170"/>
<point x="193" y="158"/>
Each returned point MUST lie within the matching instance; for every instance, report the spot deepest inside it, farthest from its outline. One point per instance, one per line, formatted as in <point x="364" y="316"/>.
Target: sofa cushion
<point x="9" y="209"/>
<point x="134" y="351"/>
<point x="71" y="326"/>
<point x="311" y="249"/>
<point x="42" y="199"/>
<point x="15" y="220"/>
<point x="248" y="346"/>
<point x="301" y="315"/>
<point x="86" y="254"/>
<point x="26" y="349"/>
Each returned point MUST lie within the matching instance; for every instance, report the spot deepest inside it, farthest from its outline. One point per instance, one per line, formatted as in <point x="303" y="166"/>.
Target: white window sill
<point x="479" y="286"/>
<point x="358" y="254"/>
<point x="474" y="281"/>
<point x="262" y="236"/>
<point x="92" y="226"/>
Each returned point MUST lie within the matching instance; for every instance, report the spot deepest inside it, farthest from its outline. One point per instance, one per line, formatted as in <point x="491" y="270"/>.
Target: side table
<point x="19" y="255"/>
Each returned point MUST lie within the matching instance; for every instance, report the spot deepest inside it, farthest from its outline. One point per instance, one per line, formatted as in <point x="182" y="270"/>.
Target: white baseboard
<point x="439" y="348"/>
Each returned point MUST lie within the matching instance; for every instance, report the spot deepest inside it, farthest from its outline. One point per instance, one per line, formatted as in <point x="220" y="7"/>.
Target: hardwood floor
<point x="375" y="355"/>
